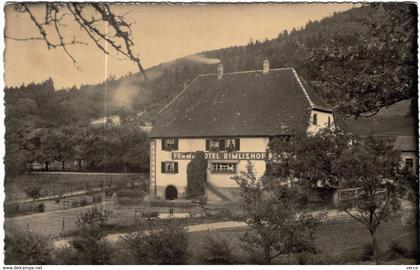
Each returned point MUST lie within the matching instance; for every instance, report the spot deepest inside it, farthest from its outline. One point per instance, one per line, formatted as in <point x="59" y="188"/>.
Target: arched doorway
<point x="171" y="193"/>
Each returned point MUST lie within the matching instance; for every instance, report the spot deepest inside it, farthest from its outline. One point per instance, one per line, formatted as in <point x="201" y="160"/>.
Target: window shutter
<point x="162" y="167"/>
<point x="176" y="144"/>
<point x="176" y="167"/>
<point x="237" y="145"/>
<point x="315" y="120"/>
<point x="207" y="144"/>
<point x="222" y="144"/>
<point x="163" y="144"/>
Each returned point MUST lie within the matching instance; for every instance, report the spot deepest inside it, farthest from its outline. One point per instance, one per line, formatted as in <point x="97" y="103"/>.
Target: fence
<point x="54" y="184"/>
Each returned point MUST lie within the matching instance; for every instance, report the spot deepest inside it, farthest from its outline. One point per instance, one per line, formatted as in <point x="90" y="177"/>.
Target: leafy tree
<point x="197" y="175"/>
<point x="373" y="166"/>
<point x="310" y="157"/>
<point x="378" y="68"/>
<point x="274" y="213"/>
<point x="336" y="159"/>
<point x="89" y="246"/>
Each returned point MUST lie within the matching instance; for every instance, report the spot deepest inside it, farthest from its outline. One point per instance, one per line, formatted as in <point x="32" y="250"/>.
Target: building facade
<point x="231" y="117"/>
<point x="407" y="145"/>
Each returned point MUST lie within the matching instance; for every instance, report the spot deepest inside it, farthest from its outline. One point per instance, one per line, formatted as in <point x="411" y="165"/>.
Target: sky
<point x="161" y="32"/>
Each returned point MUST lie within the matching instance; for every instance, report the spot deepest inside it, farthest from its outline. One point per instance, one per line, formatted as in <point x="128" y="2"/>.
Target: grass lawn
<point x="341" y="241"/>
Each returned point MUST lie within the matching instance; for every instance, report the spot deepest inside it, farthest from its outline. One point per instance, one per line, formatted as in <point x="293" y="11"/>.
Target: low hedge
<point x="129" y="193"/>
<point x="15" y="209"/>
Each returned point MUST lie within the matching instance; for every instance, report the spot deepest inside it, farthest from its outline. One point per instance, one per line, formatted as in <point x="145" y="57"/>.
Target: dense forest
<point x="45" y="124"/>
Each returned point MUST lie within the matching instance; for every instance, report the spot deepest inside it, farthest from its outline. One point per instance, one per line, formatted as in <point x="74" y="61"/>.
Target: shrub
<point x="130" y="193"/>
<point x="159" y="203"/>
<point x="88" y="246"/>
<point x="11" y="209"/>
<point x="216" y="251"/>
<point x="129" y="201"/>
<point x="40" y="208"/>
<point x="161" y="243"/>
<point x="149" y="215"/>
<point x="83" y="202"/>
<point x="33" y="192"/>
<point x="196" y="175"/>
<point x="402" y="251"/>
<point x="27" y="248"/>
<point x="97" y="198"/>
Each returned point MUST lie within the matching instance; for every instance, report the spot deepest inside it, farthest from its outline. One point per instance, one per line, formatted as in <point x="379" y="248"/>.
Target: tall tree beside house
<point x="310" y="157"/>
<point x="334" y="158"/>
<point x="373" y="166"/>
<point x="196" y="175"/>
<point x="274" y="213"/>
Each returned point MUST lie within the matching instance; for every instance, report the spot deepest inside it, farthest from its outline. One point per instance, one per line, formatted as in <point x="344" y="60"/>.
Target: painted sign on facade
<point x="222" y="156"/>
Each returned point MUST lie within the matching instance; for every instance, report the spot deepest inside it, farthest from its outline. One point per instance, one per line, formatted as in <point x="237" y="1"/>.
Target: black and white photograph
<point x="281" y="133"/>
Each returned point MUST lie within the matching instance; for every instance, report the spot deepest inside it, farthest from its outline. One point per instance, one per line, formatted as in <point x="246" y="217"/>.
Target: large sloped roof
<point x="240" y="104"/>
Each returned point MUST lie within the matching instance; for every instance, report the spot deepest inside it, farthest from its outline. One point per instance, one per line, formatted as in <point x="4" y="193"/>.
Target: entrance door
<point x="171" y="193"/>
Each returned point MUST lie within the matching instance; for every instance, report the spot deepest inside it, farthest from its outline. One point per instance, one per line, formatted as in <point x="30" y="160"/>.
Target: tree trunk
<point x="267" y="255"/>
<point x="46" y="165"/>
<point x="375" y="247"/>
<point x="63" y="165"/>
<point x="80" y="164"/>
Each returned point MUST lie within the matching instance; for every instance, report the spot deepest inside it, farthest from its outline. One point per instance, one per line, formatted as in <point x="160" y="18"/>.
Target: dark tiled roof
<point x="240" y="104"/>
<point x="405" y="143"/>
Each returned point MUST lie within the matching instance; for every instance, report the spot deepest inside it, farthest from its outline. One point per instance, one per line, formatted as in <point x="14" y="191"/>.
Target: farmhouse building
<point x="231" y="117"/>
<point x="407" y="145"/>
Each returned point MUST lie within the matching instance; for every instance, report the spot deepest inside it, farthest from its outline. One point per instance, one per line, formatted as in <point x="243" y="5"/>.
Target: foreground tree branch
<point x="91" y="18"/>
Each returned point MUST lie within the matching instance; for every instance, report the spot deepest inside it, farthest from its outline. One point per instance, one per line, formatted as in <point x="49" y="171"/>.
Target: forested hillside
<point x="37" y="109"/>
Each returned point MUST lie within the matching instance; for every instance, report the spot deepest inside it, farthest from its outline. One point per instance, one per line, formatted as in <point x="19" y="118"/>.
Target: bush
<point x="97" y="198"/>
<point x="130" y="193"/>
<point x="27" y="248"/>
<point x="14" y="209"/>
<point x="83" y="202"/>
<point x="11" y="209"/>
<point x="129" y="201"/>
<point x="402" y="251"/>
<point x="164" y="242"/>
<point x="178" y="204"/>
<point x="40" y="208"/>
<point x="216" y="251"/>
<point x="88" y="246"/>
<point x="149" y="215"/>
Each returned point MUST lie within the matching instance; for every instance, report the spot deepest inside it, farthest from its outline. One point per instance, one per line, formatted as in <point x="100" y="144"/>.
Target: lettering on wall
<point x="222" y="156"/>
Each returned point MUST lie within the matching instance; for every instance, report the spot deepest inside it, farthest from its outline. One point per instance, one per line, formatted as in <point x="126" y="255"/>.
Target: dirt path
<point x="192" y="228"/>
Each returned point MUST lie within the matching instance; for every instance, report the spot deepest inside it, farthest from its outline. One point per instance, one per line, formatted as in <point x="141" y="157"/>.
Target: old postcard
<point x="212" y="133"/>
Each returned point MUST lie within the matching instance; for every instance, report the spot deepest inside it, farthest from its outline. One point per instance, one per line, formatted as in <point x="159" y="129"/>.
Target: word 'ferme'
<point x="223" y="156"/>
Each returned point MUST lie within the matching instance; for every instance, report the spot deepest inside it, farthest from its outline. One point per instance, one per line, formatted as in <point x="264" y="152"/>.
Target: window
<point x="315" y="119"/>
<point x="169" y="144"/>
<point x="169" y="167"/>
<point x="409" y="163"/>
<point x="225" y="144"/>
<point x="219" y="167"/>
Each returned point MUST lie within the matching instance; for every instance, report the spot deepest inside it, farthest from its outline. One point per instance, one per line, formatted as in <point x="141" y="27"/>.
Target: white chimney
<point x="219" y="71"/>
<point x="266" y="66"/>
